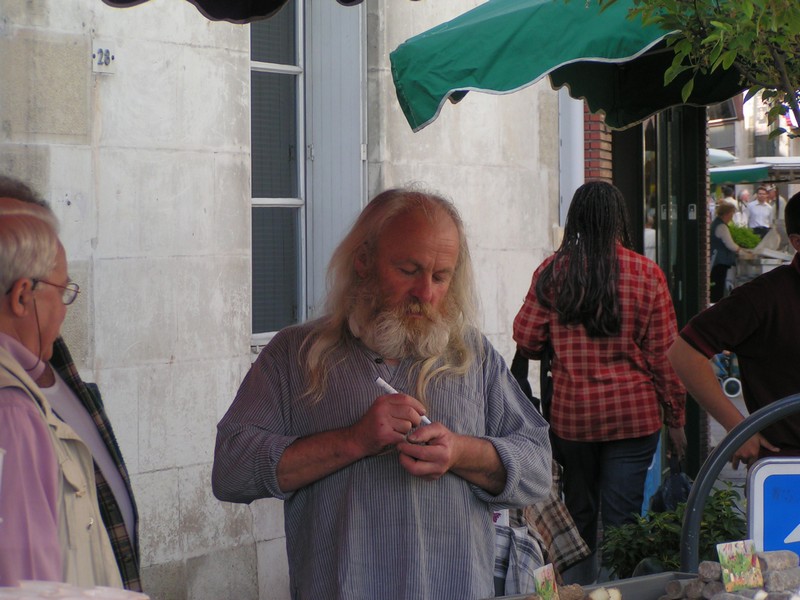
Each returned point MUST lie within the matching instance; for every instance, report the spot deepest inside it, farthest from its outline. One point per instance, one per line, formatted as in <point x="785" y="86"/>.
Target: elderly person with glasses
<point x="50" y="524"/>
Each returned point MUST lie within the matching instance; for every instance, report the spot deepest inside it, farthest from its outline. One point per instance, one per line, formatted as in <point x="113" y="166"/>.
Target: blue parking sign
<point x="773" y="494"/>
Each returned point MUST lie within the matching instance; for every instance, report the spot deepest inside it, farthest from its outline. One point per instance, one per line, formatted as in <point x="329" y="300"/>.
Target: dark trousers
<point x="718" y="275"/>
<point x="761" y="231"/>
<point x="604" y="476"/>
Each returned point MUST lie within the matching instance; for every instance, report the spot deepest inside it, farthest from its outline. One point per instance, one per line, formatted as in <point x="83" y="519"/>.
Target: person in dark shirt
<point x="760" y="322"/>
<point x="724" y="250"/>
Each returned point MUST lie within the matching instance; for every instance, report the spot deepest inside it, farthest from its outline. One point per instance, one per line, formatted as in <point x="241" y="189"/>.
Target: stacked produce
<point x="707" y="584"/>
<point x="576" y="592"/>
<point x="779" y="569"/>
<point x="781" y="575"/>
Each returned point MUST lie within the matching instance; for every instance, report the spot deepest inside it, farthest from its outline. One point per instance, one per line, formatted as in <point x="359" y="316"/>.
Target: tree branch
<point x="789" y="92"/>
<point x="750" y="79"/>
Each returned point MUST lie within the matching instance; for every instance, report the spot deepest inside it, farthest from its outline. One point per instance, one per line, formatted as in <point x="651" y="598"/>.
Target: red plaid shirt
<point x="610" y="388"/>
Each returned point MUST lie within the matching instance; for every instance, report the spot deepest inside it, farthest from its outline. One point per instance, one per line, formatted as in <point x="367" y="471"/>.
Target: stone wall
<point x="147" y="168"/>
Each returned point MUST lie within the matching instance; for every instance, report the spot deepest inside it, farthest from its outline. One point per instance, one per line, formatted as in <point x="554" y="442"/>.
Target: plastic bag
<point x="673" y="490"/>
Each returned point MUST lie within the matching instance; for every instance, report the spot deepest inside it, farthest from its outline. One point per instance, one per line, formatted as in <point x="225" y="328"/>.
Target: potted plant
<point x="652" y="543"/>
<point x="744" y="236"/>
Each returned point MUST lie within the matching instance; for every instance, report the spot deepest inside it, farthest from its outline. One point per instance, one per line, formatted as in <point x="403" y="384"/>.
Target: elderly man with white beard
<point x="377" y="503"/>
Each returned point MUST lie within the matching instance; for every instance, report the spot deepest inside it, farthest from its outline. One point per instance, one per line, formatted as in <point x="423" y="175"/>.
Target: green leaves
<point x="760" y="39"/>
<point x="778" y="131"/>
<point x="728" y="58"/>
<point x="657" y="536"/>
<point x="747" y="9"/>
<point x="674" y="71"/>
<point x="686" y="90"/>
<point x="743" y="236"/>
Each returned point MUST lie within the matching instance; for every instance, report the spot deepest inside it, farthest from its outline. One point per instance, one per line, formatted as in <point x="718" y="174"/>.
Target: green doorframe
<point x="627" y="172"/>
<point x="687" y="174"/>
<point x="686" y="131"/>
<point x="681" y="225"/>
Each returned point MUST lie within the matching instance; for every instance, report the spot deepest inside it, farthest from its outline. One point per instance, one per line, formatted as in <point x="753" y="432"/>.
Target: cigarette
<point x="390" y="390"/>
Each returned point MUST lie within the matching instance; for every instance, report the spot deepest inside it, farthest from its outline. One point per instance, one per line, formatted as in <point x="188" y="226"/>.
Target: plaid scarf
<point x="126" y="550"/>
<point x="550" y="523"/>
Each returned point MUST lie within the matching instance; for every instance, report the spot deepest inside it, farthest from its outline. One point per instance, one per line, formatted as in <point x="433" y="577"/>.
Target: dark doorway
<point x="660" y="166"/>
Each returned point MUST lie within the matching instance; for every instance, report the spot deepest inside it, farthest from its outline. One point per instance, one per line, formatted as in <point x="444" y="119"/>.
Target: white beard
<point x="394" y="334"/>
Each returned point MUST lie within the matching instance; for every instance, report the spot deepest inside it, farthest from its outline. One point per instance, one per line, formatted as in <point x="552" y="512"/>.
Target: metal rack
<point x="748" y="269"/>
<point x="711" y="468"/>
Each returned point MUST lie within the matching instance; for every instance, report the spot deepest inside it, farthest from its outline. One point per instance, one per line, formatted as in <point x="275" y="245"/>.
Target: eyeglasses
<point x="71" y="290"/>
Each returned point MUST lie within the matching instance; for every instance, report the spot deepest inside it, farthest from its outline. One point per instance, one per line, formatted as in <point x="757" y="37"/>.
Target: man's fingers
<point x="766" y="444"/>
<point x="401" y="425"/>
<point x="422" y="461"/>
<point x="406" y="420"/>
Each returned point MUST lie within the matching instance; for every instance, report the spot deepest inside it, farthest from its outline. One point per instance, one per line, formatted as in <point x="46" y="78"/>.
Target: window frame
<point x="298" y="72"/>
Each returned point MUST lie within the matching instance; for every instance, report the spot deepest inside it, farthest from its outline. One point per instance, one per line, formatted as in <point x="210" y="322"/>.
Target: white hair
<point x="345" y="283"/>
<point x="28" y="241"/>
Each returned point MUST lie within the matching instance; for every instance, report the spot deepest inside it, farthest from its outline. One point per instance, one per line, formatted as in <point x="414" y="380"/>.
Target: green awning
<point x="739" y="174"/>
<point x="615" y="63"/>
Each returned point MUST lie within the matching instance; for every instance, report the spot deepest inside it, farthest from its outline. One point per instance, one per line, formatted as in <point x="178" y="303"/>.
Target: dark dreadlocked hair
<point x="580" y="283"/>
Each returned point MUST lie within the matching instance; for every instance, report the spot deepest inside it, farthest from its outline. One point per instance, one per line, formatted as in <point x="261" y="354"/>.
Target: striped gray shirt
<point x="371" y="530"/>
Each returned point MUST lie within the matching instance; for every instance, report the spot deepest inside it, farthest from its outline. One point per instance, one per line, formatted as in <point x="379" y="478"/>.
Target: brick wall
<point x="597" y="147"/>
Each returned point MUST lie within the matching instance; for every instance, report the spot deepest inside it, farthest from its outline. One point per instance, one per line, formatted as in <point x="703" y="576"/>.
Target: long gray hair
<point x="344" y="283"/>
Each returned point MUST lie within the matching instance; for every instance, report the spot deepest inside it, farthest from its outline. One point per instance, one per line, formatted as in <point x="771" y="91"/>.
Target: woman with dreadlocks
<point x="607" y="314"/>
